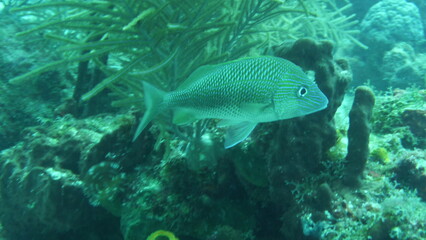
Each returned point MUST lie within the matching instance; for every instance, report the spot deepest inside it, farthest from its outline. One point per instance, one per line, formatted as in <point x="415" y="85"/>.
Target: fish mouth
<point x="324" y="103"/>
<point x="320" y="99"/>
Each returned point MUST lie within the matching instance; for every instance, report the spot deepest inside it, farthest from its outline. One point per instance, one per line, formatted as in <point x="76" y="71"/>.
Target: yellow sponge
<point x="162" y="233"/>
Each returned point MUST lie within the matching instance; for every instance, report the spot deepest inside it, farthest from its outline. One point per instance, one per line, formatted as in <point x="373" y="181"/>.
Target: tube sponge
<point x="358" y="136"/>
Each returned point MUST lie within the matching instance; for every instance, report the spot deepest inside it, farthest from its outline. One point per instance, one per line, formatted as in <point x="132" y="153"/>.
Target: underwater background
<point x="71" y="99"/>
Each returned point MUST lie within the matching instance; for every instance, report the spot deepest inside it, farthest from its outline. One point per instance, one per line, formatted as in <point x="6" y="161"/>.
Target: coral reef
<point x="168" y="195"/>
<point x="394" y="33"/>
<point x="422" y="7"/>
<point x="416" y="120"/>
<point x="68" y="178"/>
<point x="295" y="148"/>
<point x="389" y="118"/>
<point x="411" y="171"/>
<point x="392" y="21"/>
<point x="315" y="133"/>
<point x="358" y="135"/>
<point x="43" y="178"/>
<point x="93" y="157"/>
<point x="18" y="110"/>
<point x="37" y="102"/>
<point x="112" y="59"/>
<point x="403" y="68"/>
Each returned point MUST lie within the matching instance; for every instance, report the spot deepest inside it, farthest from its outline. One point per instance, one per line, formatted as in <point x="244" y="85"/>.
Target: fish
<point x="241" y="93"/>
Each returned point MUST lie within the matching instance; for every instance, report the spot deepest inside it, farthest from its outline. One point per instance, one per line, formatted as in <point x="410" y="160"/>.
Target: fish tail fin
<point x="154" y="97"/>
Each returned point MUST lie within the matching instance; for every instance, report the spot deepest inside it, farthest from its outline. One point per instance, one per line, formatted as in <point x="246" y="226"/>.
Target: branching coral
<point x="329" y="19"/>
<point x="118" y="43"/>
<point x="129" y="39"/>
<point x="332" y="23"/>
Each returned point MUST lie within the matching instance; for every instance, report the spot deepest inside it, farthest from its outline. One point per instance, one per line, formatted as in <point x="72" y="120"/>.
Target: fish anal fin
<point x="237" y="133"/>
<point x="227" y="123"/>
<point x="183" y="116"/>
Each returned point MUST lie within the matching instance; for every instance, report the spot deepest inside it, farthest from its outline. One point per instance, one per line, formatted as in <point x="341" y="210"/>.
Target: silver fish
<point x="242" y="93"/>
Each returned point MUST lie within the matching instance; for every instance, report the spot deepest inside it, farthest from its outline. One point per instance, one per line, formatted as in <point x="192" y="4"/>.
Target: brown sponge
<point x="358" y="136"/>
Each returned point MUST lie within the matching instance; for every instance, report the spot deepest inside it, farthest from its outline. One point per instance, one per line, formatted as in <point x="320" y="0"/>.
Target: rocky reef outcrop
<point x="284" y="182"/>
<point x="68" y="174"/>
<point x="394" y="32"/>
<point x="403" y="67"/>
<point x="297" y="148"/>
<point x="49" y="179"/>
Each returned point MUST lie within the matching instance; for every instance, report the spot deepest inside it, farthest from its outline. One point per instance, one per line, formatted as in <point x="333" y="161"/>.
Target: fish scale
<point x="242" y="93"/>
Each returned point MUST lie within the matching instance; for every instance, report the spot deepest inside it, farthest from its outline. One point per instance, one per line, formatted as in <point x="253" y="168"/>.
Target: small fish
<point x="242" y="93"/>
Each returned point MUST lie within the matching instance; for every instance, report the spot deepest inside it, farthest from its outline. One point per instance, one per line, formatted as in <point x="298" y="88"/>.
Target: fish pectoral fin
<point x="183" y="116"/>
<point x="256" y="108"/>
<point x="237" y="133"/>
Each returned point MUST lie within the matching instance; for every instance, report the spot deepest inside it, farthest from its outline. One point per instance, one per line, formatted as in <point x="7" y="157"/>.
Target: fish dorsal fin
<point x="183" y="116"/>
<point x="204" y="70"/>
<point x="237" y="133"/>
<point x="197" y="74"/>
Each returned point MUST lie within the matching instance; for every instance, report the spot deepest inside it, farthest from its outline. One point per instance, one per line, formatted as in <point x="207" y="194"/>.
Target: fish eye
<point x="302" y="91"/>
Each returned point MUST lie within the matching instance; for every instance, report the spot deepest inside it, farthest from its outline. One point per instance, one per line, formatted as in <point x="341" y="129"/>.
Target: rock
<point x="29" y="105"/>
<point x="416" y="120"/>
<point x="411" y="171"/>
<point x="43" y="178"/>
<point x="324" y="197"/>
